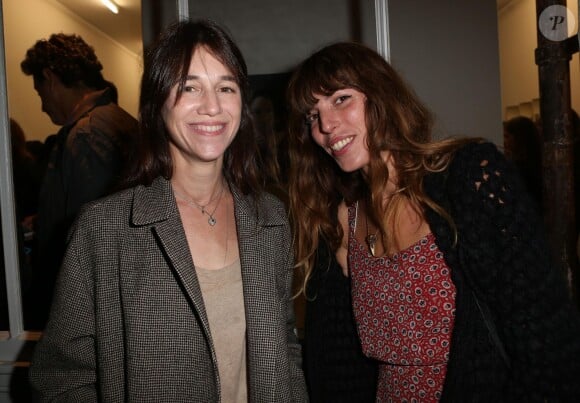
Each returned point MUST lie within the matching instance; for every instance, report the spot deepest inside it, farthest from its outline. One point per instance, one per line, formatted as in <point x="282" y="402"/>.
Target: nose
<point x="327" y="121"/>
<point x="210" y="104"/>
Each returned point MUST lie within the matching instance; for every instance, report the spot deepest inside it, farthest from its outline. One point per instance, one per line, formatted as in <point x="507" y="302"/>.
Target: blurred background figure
<point x="40" y="151"/>
<point x="267" y="137"/>
<point x="26" y="179"/>
<point x="87" y="154"/>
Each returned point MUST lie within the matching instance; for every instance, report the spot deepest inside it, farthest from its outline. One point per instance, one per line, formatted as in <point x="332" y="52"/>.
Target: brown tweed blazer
<point x="128" y="323"/>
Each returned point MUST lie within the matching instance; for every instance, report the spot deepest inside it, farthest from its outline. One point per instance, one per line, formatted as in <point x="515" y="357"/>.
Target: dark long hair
<point x="166" y="64"/>
<point x="396" y="121"/>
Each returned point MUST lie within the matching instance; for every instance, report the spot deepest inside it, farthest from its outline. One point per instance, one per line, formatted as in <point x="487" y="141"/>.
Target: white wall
<point x="518" y="41"/>
<point x="26" y="21"/>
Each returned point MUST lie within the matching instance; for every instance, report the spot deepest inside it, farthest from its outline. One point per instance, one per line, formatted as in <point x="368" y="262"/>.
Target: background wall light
<point x="110" y="4"/>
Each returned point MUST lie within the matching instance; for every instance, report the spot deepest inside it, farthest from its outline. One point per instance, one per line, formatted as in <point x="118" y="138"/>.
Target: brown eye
<point x="311" y="118"/>
<point x="341" y="99"/>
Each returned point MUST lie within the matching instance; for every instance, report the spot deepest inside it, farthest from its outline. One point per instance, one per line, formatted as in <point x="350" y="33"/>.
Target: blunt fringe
<point x="396" y="121"/>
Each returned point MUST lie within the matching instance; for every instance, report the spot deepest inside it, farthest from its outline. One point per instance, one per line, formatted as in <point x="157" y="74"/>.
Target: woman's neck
<point x="201" y="188"/>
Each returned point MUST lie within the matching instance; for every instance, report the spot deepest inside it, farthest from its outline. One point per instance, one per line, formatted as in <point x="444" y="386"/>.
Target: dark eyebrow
<point x="224" y="78"/>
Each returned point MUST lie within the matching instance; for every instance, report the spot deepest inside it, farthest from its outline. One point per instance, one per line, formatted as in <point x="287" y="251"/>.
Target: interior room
<point x="472" y="62"/>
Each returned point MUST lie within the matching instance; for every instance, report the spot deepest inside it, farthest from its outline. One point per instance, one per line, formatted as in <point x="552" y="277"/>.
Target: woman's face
<point x="338" y="125"/>
<point x="205" y="119"/>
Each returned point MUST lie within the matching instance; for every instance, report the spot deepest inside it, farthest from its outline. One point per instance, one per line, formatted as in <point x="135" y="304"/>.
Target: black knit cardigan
<point x="502" y="257"/>
<point x="501" y="261"/>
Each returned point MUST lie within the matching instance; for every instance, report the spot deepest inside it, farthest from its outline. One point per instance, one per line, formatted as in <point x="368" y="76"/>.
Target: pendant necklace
<point x="211" y="219"/>
<point x="370" y="239"/>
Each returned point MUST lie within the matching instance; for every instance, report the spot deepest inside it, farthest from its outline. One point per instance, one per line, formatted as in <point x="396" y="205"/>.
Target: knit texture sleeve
<point x="505" y="258"/>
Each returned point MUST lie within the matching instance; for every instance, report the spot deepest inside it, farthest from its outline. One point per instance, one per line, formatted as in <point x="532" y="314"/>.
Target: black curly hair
<point x="67" y="56"/>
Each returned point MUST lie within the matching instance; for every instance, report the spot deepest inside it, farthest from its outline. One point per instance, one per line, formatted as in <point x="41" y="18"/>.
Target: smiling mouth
<point x="209" y="128"/>
<point x="339" y="145"/>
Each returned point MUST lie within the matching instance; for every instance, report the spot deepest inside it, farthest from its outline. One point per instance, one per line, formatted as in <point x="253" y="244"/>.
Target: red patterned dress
<point x="404" y="307"/>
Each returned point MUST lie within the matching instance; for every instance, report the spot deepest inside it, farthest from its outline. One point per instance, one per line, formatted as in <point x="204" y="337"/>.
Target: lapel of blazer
<point x="155" y="206"/>
<point x="260" y="295"/>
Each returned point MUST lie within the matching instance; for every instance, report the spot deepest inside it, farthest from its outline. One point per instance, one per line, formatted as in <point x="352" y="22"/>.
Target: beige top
<point x="224" y="303"/>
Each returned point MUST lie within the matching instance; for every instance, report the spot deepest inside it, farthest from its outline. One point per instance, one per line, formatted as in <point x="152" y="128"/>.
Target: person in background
<point x="263" y="114"/>
<point x="27" y="176"/>
<point x="26" y="181"/>
<point x="178" y="289"/>
<point x="89" y="150"/>
<point x="40" y="150"/>
<point x="454" y="289"/>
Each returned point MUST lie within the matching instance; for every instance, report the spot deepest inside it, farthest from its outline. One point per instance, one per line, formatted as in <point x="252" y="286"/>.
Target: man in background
<point x="86" y="159"/>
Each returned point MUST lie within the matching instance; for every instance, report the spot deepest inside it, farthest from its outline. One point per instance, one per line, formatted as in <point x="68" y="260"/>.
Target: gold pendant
<point x="372" y="241"/>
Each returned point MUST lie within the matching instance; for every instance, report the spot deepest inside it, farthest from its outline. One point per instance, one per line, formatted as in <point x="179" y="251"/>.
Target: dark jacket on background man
<point x="85" y="163"/>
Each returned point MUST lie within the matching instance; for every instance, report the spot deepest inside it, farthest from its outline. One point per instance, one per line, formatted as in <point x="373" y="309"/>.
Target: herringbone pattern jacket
<point x="128" y="323"/>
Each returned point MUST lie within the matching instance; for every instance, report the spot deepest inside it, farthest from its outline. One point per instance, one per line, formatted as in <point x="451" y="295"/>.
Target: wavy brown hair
<point x="396" y="121"/>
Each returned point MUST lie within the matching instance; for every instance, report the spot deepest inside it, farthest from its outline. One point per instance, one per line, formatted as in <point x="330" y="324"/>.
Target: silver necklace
<point x="227" y="234"/>
<point x="211" y="219"/>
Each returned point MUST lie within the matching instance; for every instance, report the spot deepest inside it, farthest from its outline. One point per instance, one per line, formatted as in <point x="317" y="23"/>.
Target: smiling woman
<point x="435" y="236"/>
<point x="335" y="121"/>
<point x="203" y="118"/>
<point x="192" y="261"/>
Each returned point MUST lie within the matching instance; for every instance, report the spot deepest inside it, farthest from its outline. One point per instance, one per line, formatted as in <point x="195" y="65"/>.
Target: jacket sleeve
<point x="507" y="260"/>
<point x="63" y="367"/>
<point x="299" y="393"/>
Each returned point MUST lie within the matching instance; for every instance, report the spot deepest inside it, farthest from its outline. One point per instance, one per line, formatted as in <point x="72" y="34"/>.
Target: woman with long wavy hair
<point x="454" y="292"/>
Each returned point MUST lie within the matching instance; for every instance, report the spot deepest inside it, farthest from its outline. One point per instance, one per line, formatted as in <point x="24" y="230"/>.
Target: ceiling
<point x="124" y="27"/>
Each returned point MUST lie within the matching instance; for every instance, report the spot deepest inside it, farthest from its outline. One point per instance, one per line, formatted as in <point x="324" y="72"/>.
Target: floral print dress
<point x="404" y="307"/>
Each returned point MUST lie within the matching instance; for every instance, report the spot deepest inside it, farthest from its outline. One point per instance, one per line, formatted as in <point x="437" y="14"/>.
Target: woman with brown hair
<point x="178" y="289"/>
<point x="453" y="289"/>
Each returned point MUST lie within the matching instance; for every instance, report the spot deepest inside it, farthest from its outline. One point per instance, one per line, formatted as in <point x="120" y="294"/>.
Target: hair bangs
<point x="315" y="79"/>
